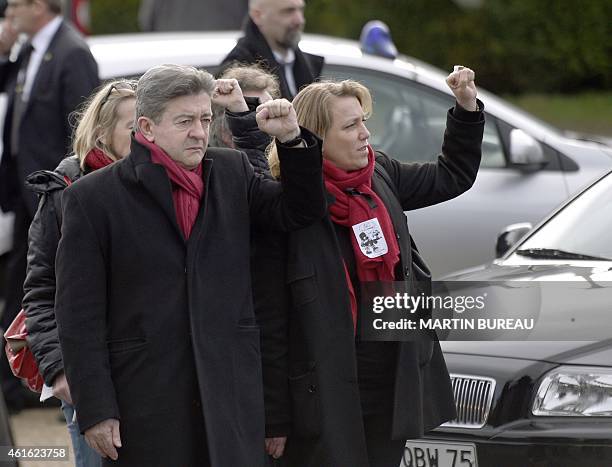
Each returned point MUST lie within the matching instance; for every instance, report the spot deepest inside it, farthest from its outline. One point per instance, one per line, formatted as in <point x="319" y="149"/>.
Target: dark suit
<point x="158" y="331"/>
<point x="67" y="75"/>
<point x="253" y="48"/>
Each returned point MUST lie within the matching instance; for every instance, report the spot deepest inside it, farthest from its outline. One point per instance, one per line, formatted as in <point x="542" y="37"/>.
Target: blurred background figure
<point x="240" y="130"/>
<point x="53" y="73"/>
<point x="271" y="37"/>
<point x="101" y="137"/>
<point x="191" y="15"/>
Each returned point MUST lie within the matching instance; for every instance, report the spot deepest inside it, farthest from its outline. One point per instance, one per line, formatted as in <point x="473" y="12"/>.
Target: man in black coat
<point x="271" y="36"/>
<point x="156" y="322"/>
<point x="53" y="73"/>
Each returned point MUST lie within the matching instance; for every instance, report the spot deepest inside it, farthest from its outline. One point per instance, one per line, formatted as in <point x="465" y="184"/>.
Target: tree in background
<point x="561" y="46"/>
<point x="523" y="45"/>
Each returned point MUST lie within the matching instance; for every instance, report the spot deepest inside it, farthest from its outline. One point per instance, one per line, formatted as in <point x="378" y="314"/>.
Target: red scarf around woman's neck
<point x="187" y="185"/>
<point x="356" y="204"/>
<point x="96" y="159"/>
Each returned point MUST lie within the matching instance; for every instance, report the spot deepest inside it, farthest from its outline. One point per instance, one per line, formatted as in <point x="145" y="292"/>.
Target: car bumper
<point x="536" y="444"/>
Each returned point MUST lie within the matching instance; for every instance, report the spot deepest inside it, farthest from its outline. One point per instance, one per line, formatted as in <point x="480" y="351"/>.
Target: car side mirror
<point x="510" y="236"/>
<point x="525" y="151"/>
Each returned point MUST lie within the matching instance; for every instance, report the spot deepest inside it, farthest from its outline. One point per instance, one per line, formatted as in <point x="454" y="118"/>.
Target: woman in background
<point x="101" y="137"/>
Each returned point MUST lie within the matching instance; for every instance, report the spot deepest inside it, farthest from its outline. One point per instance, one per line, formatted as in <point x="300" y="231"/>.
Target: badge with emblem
<point x="370" y="238"/>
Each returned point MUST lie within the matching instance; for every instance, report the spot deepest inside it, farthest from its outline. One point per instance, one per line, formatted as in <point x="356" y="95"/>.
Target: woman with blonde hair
<point x="334" y="395"/>
<point x="101" y="137"/>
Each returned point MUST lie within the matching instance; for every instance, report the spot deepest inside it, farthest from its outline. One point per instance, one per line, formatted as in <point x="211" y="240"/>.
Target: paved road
<point x="41" y="427"/>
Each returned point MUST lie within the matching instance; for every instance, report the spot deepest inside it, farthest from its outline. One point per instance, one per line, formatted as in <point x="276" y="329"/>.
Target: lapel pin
<point x="48" y="56"/>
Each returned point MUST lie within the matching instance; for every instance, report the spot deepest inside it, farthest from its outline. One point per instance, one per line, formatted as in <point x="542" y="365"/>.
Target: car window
<point x="409" y="119"/>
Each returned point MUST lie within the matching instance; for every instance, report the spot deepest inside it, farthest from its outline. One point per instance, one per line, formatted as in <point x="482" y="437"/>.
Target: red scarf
<point x="187" y="185"/>
<point x="96" y="159"/>
<point x="352" y="209"/>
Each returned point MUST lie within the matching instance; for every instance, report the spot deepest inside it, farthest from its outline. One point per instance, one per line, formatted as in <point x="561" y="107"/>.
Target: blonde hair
<point x="98" y="117"/>
<point x="313" y="108"/>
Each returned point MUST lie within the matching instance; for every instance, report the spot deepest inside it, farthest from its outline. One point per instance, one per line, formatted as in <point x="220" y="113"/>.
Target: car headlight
<point x="575" y="391"/>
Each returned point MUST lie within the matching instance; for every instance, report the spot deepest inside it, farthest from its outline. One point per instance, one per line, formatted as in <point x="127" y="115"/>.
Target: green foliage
<point x="585" y="112"/>
<point x="514" y="45"/>
<point x="114" y="16"/>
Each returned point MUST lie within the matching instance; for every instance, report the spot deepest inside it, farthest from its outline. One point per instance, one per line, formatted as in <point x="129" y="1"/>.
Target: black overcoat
<point x="312" y="392"/>
<point x="160" y="332"/>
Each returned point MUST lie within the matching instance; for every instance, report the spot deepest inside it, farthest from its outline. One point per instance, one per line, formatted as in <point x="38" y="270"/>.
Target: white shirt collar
<point x="42" y="38"/>
<point x="287" y="59"/>
<point x="40" y="42"/>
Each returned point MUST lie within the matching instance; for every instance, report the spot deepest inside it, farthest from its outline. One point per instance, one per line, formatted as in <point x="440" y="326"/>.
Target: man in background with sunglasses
<point x="52" y="74"/>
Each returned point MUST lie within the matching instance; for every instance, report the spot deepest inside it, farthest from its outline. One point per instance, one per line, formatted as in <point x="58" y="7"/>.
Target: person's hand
<point x="104" y="438"/>
<point x="277" y="118"/>
<point x="228" y="95"/>
<point x="275" y="447"/>
<point x="8" y="36"/>
<point x="461" y="82"/>
<point x="61" y="389"/>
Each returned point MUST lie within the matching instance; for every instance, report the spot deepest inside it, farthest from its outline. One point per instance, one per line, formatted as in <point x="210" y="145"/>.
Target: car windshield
<point x="581" y="230"/>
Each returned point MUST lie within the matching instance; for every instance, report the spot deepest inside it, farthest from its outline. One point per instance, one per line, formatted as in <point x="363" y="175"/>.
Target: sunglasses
<point x="127" y="85"/>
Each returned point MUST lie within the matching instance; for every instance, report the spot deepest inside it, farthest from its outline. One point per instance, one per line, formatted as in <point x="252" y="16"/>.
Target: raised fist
<point x="228" y="95"/>
<point x="461" y="82"/>
<point x="277" y="118"/>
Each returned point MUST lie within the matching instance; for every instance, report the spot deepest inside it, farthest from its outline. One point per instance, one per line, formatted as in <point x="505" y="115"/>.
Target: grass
<point x="588" y="112"/>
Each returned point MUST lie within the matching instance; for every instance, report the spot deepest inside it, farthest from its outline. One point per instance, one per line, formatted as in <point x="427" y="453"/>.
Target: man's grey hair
<point x="162" y="83"/>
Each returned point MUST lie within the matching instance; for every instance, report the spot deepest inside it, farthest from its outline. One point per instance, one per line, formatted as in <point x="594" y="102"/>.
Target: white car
<point x="528" y="167"/>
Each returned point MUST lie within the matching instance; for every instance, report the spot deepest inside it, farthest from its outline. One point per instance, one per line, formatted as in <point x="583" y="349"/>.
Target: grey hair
<point x="162" y="83"/>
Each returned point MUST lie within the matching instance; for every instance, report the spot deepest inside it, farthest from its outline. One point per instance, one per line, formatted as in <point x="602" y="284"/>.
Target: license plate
<point x="439" y="454"/>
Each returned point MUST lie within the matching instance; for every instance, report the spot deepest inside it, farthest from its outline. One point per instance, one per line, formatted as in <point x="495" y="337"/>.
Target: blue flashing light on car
<point x="376" y="39"/>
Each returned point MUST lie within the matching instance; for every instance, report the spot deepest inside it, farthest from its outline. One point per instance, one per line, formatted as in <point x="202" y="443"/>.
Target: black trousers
<point x="15" y="276"/>
<point x="382" y="450"/>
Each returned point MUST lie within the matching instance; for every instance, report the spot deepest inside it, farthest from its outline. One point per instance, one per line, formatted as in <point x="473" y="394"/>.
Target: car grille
<point x="473" y="397"/>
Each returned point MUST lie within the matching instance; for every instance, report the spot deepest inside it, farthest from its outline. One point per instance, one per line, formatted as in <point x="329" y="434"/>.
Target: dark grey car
<point x="538" y="403"/>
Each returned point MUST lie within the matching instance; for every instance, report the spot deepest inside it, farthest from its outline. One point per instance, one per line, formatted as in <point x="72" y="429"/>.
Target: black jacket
<point x="247" y="137"/>
<point x="39" y="286"/>
<point x="308" y="345"/>
<point x="67" y="75"/>
<point x="253" y="48"/>
<point x="159" y="331"/>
